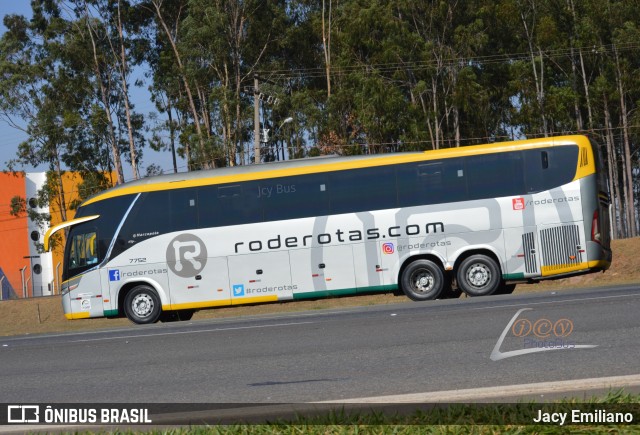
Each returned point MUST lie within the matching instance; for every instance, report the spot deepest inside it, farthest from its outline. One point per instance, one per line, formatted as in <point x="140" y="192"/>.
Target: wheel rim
<point x="142" y="305"/>
<point x="479" y="275"/>
<point x="422" y="281"/>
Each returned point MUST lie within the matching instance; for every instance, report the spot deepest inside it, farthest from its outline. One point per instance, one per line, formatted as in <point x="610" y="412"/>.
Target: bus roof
<point x="318" y="165"/>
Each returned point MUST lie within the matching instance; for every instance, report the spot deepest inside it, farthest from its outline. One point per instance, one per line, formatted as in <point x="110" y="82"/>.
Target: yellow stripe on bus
<point x="195" y="305"/>
<point x="558" y="269"/>
<point x="255" y="300"/>
<point x="599" y="264"/>
<point x="587" y="168"/>
<point x="75" y="316"/>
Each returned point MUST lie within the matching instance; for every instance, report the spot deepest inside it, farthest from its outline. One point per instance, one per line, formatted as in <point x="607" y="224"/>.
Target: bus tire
<point x="422" y="280"/>
<point x="449" y="292"/>
<point x="142" y="305"/>
<point x="186" y="314"/>
<point x="505" y="289"/>
<point x="176" y="316"/>
<point x="478" y="275"/>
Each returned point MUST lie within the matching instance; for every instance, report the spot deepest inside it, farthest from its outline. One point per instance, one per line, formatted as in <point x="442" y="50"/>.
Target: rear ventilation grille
<point x="529" y="245"/>
<point x="561" y="247"/>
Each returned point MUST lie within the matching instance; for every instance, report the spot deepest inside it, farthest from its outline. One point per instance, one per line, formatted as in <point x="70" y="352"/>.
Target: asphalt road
<point x="330" y="355"/>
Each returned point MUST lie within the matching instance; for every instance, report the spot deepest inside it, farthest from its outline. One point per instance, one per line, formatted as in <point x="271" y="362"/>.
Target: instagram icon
<point x="387" y="248"/>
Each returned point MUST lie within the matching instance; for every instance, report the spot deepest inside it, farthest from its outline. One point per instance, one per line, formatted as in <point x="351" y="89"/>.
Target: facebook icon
<point x="114" y="275"/>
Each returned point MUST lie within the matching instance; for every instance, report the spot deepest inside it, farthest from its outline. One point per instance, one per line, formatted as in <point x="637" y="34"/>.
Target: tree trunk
<point x="538" y="78"/>
<point x="185" y="82"/>
<point x="585" y="84"/>
<point x="172" y="136"/>
<point x="115" y="152"/>
<point x="627" y="162"/>
<point x="125" y="93"/>
<point x="436" y="124"/>
<point x="326" y="45"/>
<point x="614" y="188"/>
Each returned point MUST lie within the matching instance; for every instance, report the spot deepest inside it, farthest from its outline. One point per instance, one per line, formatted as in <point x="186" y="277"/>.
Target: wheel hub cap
<point x="424" y="282"/>
<point x="479" y="275"/>
<point x="142" y="305"/>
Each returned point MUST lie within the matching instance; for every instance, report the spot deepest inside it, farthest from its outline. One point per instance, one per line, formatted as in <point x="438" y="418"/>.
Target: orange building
<point x="27" y="272"/>
<point x="14" y="244"/>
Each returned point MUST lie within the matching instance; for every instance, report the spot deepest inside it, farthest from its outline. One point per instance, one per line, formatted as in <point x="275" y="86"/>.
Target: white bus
<point x="479" y="219"/>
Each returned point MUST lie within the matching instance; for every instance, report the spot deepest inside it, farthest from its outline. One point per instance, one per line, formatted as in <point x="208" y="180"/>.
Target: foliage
<point x="357" y="76"/>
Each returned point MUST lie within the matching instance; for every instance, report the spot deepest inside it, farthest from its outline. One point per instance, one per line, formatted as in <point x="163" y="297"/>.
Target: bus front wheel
<point x="505" y="289"/>
<point x="478" y="275"/>
<point x="422" y="280"/>
<point x="142" y="305"/>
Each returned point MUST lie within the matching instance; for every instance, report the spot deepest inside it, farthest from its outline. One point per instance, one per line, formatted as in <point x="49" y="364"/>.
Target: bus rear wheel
<point x="422" y="280"/>
<point x="478" y="275"/>
<point x="142" y="305"/>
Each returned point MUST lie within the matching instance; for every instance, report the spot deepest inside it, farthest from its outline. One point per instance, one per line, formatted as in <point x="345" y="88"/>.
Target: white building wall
<point x="41" y="264"/>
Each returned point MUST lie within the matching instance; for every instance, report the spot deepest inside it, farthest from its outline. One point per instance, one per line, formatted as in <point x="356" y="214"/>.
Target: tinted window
<point x="431" y="182"/>
<point x="362" y="189"/>
<point x="149" y="217"/>
<point x="294" y="197"/>
<point x="229" y="204"/>
<point x="102" y="230"/>
<point x="184" y="209"/>
<point x="549" y="167"/>
<point x="207" y="206"/>
<point x="111" y="210"/>
<point x="495" y="175"/>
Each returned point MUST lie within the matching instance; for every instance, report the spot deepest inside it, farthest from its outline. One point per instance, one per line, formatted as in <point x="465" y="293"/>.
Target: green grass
<point x="452" y="419"/>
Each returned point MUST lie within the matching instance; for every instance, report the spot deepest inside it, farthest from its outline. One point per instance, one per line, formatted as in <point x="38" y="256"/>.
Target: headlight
<point x="70" y="285"/>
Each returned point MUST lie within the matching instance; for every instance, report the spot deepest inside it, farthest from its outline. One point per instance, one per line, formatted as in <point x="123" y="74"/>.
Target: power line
<point x="319" y="72"/>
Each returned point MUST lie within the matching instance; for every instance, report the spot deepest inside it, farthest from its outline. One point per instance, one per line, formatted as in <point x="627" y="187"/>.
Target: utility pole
<point x="24" y="288"/>
<point x="256" y="120"/>
<point x="31" y="257"/>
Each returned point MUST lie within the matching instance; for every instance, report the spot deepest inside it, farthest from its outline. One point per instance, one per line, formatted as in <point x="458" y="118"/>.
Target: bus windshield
<point x="83" y="250"/>
<point x="88" y="242"/>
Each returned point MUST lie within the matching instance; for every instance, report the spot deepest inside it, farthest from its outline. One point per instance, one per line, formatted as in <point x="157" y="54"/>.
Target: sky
<point x="11" y="137"/>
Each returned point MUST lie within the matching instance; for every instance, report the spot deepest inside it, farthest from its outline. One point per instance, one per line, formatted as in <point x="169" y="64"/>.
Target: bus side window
<point x="356" y="190"/>
<point x="230" y="205"/>
<point x="495" y="175"/>
<point x="184" y="209"/>
<point x="549" y="168"/>
<point x="147" y="219"/>
<point x="535" y="170"/>
<point x="420" y="184"/>
<point x="294" y="197"/>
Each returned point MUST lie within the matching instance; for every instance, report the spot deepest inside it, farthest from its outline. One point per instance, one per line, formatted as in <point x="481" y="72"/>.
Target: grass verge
<point x="482" y="418"/>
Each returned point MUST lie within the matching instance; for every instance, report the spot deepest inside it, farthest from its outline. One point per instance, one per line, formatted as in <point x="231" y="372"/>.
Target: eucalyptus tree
<point x="45" y="88"/>
<point x="168" y="24"/>
<point x="35" y="90"/>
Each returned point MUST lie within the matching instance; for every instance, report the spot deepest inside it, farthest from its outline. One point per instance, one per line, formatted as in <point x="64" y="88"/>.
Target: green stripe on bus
<point x="343" y="292"/>
<point x="379" y="288"/>
<point x="324" y="293"/>
<point x="110" y="313"/>
<point x="510" y="276"/>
